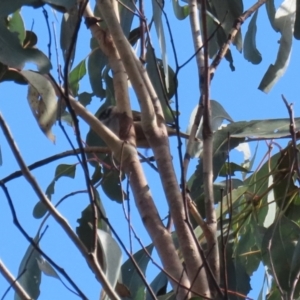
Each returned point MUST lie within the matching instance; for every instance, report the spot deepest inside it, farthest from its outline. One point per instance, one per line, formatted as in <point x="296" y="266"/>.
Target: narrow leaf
<point x="112" y="256"/>
<point x="30" y="273"/>
<point x="76" y="75"/>
<point x="46" y="268"/>
<point x="250" y="51"/>
<point x="16" y="25"/>
<point x="130" y="276"/>
<point x="157" y="6"/>
<point x="42" y="101"/>
<point x="181" y="12"/>
<point x="68" y="26"/>
<point x="284" y="22"/>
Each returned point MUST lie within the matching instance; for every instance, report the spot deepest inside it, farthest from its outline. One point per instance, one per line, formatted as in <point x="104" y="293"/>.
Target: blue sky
<point x="236" y="91"/>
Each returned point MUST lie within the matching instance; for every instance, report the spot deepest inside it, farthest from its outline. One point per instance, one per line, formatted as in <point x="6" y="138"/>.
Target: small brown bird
<point x="110" y="118"/>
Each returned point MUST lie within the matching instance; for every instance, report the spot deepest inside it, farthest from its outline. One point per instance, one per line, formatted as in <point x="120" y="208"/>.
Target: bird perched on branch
<point x="110" y="117"/>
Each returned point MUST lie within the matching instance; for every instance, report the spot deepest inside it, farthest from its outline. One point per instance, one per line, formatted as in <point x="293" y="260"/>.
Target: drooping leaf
<point x="246" y="248"/>
<point x="295" y="266"/>
<point x="158" y="285"/>
<point x="297" y="21"/>
<point x="85" y="230"/>
<point x="46" y="268"/>
<point x="227" y="12"/>
<point x="284" y="22"/>
<point x="29" y="273"/>
<point x="157" y="81"/>
<point x="250" y="51"/>
<point x="130" y="276"/>
<point x="264" y="129"/>
<point x="286" y="192"/>
<point x="16" y="25"/>
<point x="75" y="76"/>
<point x="96" y="62"/>
<point x="271" y="11"/>
<point x="238" y="279"/>
<point x="14" y="55"/>
<point x="126" y="10"/>
<point x="68" y="26"/>
<point x="42" y="101"/>
<point x="181" y="12"/>
<point x="111" y="185"/>
<point x="221" y="146"/>
<point x="62" y="170"/>
<point x="112" y="256"/>
<point x="157" y="6"/>
<point x="280" y="238"/>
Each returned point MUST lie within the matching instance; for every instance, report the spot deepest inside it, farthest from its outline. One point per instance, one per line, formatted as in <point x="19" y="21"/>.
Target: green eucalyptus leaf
<point x="284" y="23"/>
<point x="130" y="276"/>
<point x="29" y="274"/>
<point x="14" y="55"/>
<point x="126" y="11"/>
<point x="68" y="27"/>
<point x="157" y="6"/>
<point x="181" y="12"/>
<point x="111" y="185"/>
<point x="112" y="256"/>
<point x="75" y="76"/>
<point x="8" y="7"/>
<point x="250" y="51"/>
<point x="42" y="101"/>
<point x="158" y="285"/>
<point x="85" y="98"/>
<point x="157" y="79"/>
<point x="280" y="238"/>
<point x="96" y="62"/>
<point x="16" y="25"/>
<point x="297" y="21"/>
<point x="85" y="231"/>
<point x="62" y="170"/>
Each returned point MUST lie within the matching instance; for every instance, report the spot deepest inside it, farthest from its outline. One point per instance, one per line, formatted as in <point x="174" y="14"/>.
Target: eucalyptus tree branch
<point x="211" y="218"/>
<point x="127" y="154"/>
<point x="149" y="214"/>
<point x="90" y="258"/>
<point x="198" y="48"/>
<point x="155" y="131"/>
<point x="119" y="74"/>
<point x="13" y="282"/>
<point x="204" y="111"/>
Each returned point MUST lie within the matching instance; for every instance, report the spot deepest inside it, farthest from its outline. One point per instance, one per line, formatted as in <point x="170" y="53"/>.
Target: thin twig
<point x="53" y="158"/>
